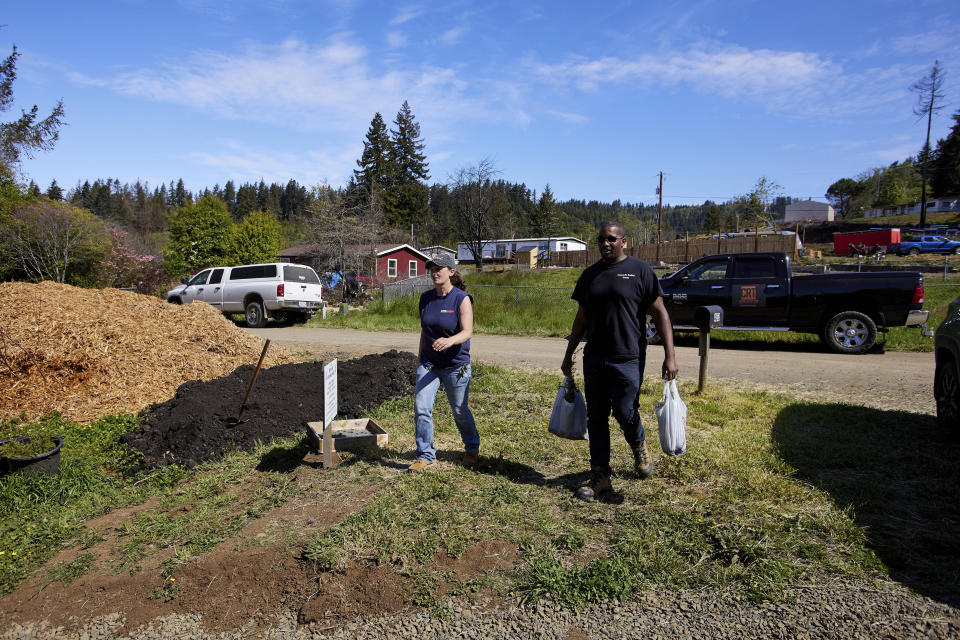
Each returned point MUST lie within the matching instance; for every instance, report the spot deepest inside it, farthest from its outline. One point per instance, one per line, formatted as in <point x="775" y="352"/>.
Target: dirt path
<point x="888" y="380"/>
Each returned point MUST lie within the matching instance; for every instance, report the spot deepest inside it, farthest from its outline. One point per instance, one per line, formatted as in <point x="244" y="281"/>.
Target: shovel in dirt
<point x="232" y="422"/>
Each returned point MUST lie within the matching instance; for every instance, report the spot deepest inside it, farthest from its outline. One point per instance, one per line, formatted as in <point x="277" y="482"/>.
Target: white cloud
<point x="453" y="36"/>
<point x="570" y="118"/>
<point x="729" y="71"/>
<point x="245" y="164"/>
<point x="329" y="87"/>
<point x="406" y="14"/>
<point x="396" y="40"/>
<point x="789" y="82"/>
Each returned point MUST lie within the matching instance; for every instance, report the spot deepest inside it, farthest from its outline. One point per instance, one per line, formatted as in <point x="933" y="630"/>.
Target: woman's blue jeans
<point x="456" y="382"/>
<point x="611" y="385"/>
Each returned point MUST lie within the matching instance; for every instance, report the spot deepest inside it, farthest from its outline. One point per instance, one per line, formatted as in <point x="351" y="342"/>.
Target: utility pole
<point x="659" y="215"/>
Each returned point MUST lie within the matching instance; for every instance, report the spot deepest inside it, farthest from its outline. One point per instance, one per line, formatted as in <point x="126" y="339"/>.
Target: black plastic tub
<point x="45" y="463"/>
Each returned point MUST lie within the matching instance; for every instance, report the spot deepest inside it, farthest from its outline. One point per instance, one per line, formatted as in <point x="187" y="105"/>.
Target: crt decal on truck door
<point x="760" y="294"/>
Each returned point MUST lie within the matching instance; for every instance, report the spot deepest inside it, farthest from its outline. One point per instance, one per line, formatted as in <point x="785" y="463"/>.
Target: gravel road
<point x="840" y="610"/>
<point x="884" y="380"/>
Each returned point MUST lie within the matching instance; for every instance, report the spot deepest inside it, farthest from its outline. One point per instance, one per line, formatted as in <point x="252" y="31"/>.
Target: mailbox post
<point x="706" y="318"/>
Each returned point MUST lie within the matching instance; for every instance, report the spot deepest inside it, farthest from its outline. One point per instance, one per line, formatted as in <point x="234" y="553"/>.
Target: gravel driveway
<point x="840" y="610"/>
<point x="892" y="380"/>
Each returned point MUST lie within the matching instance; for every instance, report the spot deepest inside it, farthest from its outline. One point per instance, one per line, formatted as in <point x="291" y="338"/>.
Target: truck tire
<point x="914" y="251"/>
<point x="175" y="301"/>
<point x="652" y="336"/>
<point x="253" y="314"/>
<point x="956" y="251"/>
<point x="946" y="391"/>
<point x="850" y="332"/>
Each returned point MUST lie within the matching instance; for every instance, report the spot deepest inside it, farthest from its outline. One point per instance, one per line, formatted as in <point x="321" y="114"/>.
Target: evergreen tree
<point x="26" y="134"/>
<point x="256" y="239"/>
<point x="408" y="156"/>
<point x="200" y="236"/>
<point x="543" y="221"/>
<point x="274" y="197"/>
<point x="262" y="192"/>
<point x="54" y="192"/>
<point x="230" y="197"/>
<point x="945" y="179"/>
<point x="246" y="200"/>
<point x="294" y="201"/>
<point x="376" y="168"/>
<point x="180" y="194"/>
<point x="406" y="201"/>
<point x="841" y="192"/>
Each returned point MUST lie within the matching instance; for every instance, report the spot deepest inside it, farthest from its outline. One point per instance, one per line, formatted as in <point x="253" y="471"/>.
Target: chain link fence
<point x="390" y="291"/>
<point x="557" y="298"/>
<point x="518" y="295"/>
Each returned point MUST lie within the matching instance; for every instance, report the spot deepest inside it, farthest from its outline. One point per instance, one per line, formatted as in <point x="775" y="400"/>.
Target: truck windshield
<point x="300" y="274"/>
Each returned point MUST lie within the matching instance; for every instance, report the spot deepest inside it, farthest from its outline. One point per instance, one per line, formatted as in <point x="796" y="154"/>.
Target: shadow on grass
<point x="520" y="473"/>
<point x="898" y="477"/>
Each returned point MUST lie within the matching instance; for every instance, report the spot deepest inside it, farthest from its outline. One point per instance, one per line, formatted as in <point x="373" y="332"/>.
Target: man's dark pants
<point x="611" y="384"/>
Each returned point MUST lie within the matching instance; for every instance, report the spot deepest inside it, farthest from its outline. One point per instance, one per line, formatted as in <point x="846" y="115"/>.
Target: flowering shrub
<point x="123" y="267"/>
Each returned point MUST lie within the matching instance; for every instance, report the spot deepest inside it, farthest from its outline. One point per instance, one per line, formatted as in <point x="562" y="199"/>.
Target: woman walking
<point x="446" y="325"/>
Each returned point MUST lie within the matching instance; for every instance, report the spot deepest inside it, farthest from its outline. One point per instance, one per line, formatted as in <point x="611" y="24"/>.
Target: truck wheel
<point x="946" y="391"/>
<point x="914" y="251"/>
<point x="850" y="332"/>
<point x="253" y="315"/>
<point x="652" y="336"/>
<point x="956" y="251"/>
<point x="175" y="301"/>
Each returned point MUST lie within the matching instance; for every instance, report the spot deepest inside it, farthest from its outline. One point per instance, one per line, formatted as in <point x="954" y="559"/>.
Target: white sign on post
<point x="329" y="393"/>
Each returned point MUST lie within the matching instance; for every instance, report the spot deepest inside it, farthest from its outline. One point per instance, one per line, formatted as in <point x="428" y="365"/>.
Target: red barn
<point x="399" y="263"/>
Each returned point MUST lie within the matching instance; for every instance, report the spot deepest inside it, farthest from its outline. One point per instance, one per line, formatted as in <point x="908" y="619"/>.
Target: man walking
<point x="615" y="295"/>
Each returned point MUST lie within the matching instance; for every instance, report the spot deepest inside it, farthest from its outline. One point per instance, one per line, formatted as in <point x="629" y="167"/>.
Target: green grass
<point x="197" y="508"/>
<point x="773" y="493"/>
<point x="744" y="508"/>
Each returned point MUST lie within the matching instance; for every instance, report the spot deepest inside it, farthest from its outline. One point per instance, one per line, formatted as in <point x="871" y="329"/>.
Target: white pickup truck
<point x="259" y="291"/>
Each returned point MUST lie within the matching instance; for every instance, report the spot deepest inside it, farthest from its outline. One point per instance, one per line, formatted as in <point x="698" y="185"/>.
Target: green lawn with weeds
<point x="739" y="510"/>
<point x="196" y="509"/>
<point x="773" y="493"/>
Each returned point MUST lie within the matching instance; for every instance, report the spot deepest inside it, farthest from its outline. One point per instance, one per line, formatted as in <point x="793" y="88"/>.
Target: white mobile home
<point x="506" y="248"/>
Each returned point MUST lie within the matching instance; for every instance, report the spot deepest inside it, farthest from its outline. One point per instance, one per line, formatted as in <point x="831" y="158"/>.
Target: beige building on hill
<point x="809" y="211"/>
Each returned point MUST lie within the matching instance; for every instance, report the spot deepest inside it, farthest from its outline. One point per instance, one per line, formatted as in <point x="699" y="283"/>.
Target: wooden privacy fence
<point x="681" y="251"/>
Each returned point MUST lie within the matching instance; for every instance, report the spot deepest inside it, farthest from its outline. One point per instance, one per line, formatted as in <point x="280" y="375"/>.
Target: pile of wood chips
<point x="91" y="352"/>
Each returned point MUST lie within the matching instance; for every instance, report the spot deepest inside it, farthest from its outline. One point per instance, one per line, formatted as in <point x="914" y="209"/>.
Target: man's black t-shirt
<point x="616" y="298"/>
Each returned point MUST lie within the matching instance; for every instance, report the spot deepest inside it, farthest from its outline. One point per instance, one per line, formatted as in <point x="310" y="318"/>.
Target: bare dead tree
<point x="46" y="237"/>
<point x="929" y="101"/>
<point x="344" y="232"/>
<point x="472" y="196"/>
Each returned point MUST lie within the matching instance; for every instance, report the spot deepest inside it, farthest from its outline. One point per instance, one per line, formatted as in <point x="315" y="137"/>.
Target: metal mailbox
<point x="708" y="317"/>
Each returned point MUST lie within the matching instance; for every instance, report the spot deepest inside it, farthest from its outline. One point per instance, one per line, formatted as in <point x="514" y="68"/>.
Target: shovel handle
<point x="266" y="345"/>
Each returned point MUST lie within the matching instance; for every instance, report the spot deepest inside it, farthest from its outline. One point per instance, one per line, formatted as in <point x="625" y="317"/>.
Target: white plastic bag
<point x="569" y="417"/>
<point x="672" y="420"/>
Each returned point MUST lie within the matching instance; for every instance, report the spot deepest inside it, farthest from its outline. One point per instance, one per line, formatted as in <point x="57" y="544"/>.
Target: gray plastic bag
<point x="569" y="417"/>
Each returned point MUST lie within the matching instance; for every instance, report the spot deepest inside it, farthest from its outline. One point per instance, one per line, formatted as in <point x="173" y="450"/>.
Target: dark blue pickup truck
<point x="924" y="244"/>
<point x="758" y="291"/>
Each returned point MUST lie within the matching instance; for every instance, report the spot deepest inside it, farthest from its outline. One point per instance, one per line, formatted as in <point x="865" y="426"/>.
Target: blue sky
<point x="593" y="98"/>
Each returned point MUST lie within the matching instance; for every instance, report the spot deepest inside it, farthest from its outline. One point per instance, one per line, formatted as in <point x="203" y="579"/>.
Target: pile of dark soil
<point x="193" y="426"/>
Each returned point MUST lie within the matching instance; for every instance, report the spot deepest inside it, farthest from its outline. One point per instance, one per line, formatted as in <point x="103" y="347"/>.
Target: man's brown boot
<point x="599" y="484"/>
<point x="642" y="462"/>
